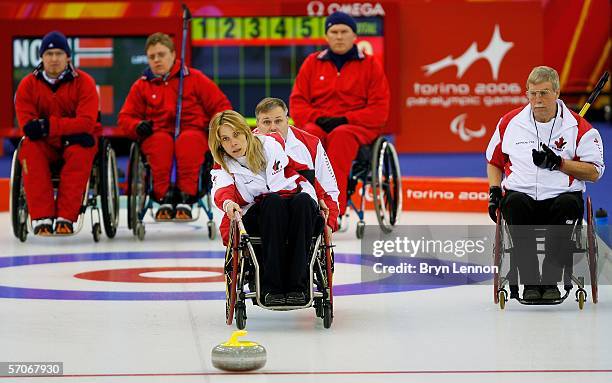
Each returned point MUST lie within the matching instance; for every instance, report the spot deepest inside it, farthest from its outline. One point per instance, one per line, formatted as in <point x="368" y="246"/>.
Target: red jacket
<point x="71" y="105"/>
<point x="359" y="92"/>
<point x="154" y="98"/>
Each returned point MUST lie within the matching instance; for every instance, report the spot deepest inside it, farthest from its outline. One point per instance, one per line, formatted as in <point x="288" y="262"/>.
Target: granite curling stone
<point x="236" y="355"/>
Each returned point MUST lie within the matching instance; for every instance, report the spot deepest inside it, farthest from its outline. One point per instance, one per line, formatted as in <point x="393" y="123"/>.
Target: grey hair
<point x="542" y="74"/>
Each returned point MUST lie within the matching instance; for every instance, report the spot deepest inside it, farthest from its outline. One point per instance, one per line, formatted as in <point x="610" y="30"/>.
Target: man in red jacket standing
<point x="149" y="115"/>
<point x="341" y="96"/>
<point x="57" y="108"/>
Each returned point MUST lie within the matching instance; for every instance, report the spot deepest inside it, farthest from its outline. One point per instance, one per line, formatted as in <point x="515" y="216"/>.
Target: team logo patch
<point x="560" y="143"/>
<point x="277" y="166"/>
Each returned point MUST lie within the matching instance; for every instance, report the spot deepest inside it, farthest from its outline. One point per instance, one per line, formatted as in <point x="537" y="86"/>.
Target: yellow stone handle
<point x="234" y="342"/>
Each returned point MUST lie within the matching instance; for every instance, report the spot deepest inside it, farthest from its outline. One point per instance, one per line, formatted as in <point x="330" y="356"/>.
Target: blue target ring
<point x="374" y="287"/>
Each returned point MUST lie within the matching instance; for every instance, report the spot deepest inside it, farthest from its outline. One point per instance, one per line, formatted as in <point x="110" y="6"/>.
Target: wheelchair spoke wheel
<point x="17" y="200"/>
<point x="231" y="273"/>
<point x="497" y="257"/>
<point x="386" y="184"/>
<point x="137" y="188"/>
<point x="329" y="264"/>
<point x="592" y="250"/>
<point x="109" y="189"/>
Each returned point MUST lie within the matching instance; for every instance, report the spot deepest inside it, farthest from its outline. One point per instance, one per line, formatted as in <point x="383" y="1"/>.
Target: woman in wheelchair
<point x="254" y="179"/>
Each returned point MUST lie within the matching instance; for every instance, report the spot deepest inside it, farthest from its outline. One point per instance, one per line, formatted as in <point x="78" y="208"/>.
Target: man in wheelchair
<point x="546" y="153"/>
<point x="57" y="108"/>
<point x="341" y="95"/>
<point x="255" y="179"/>
<point x="272" y="117"/>
<point x="149" y="114"/>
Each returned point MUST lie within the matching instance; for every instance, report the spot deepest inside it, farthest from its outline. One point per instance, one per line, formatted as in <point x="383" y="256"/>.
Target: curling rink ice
<point x="161" y="323"/>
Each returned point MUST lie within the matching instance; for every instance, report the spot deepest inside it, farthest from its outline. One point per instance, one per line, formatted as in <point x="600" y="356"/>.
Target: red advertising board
<point x="464" y="65"/>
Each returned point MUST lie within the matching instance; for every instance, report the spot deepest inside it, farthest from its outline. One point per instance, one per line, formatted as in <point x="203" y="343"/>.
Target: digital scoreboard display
<point x="255" y="57"/>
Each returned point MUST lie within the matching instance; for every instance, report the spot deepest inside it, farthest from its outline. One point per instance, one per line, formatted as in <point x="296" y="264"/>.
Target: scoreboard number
<point x="269" y="28"/>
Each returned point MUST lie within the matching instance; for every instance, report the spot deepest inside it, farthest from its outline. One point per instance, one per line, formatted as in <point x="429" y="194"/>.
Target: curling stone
<point x="236" y="355"/>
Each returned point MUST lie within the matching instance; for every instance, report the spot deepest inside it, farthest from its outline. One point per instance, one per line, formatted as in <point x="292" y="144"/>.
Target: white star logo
<point x="494" y="53"/>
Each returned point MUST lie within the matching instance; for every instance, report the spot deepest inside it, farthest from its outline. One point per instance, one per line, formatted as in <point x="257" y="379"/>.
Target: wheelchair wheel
<point x="502" y="298"/>
<point x="581" y="298"/>
<point x="498" y="249"/>
<point x="17" y="203"/>
<point x="96" y="231"/>
<point x="240" y="315"/>
<point x="329" y="264"/>
<point x="592" y="251"/>
<point x="231" y="273"/>
<point x="109" y="186"/>
<point x="328" y="314"/>
<point x="212" y="230"/>
<point x="137" y="195"/>
<point x="386" y="184"/>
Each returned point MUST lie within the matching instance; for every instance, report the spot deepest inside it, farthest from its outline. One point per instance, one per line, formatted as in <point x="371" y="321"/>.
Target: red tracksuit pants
<point x="189" y="148"/>
<point x="342" y="145"/>
<point x="36" y="158"/>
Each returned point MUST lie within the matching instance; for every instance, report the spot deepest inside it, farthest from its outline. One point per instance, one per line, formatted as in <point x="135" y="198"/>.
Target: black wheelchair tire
<point x="109" y="188"/>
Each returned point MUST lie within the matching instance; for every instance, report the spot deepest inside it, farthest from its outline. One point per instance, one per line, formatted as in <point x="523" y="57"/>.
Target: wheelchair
<point x="102" y="183"/>
<point x="242" y="269"/>
<point x="584" y="241"/>
<point x="377" y="165"/>
<point x="140" y="193"/>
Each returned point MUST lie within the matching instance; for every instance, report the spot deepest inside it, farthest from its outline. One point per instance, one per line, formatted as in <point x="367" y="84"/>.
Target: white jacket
<point x="243" y="186"/>
<point x="572" y="137"/>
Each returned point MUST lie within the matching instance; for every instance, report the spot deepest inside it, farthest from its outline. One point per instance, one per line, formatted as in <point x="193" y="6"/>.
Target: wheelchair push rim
<point x="592" y="250"/>
<point x="386" y="184"/>
<point x="109" y="189"/>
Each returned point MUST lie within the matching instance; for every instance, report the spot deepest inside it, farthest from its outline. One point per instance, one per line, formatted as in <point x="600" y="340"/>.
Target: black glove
<point x="546" y="158"/>
<point x="144" y="128"/>
<point x="36" y="129"/>
<point x="84" y="139"/>
<point x="495" y="196"/>
<point x="329" y="123"/>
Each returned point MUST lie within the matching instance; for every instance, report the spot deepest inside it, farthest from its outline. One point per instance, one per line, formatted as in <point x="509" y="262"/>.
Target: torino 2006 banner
<point x="464" y="65"/>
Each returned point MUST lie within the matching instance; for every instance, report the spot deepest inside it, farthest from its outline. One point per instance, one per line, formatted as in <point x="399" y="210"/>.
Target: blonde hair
<point x="542" y="74"/>
<point x="255" y="157"/>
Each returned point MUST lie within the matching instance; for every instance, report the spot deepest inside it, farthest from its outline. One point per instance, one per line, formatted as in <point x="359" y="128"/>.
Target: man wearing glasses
<point x="546" y="153"/>
<point x="272" y="117"/>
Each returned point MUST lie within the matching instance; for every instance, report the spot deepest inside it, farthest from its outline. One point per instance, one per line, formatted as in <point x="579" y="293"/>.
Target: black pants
<point x="286" y="227"/>
<point x="522" y="213"/>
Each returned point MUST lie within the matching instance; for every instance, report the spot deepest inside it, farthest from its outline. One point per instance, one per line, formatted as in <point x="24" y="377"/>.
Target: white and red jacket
<point x="306" y="149"/>
<point x="244" y="187"/>
<point x="572" y="137"/>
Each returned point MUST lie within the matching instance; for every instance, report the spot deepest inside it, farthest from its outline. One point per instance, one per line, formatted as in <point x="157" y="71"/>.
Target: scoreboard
<point x="271" y="30"/>
<point x="255" y="57"/>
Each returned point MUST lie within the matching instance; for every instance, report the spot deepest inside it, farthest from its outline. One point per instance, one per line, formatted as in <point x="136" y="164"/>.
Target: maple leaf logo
<point x="560" y="143"/>
<point x="276" y="166"/>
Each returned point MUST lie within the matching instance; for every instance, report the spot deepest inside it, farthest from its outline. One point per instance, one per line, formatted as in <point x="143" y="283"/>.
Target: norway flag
<point x="93" y="52"/>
